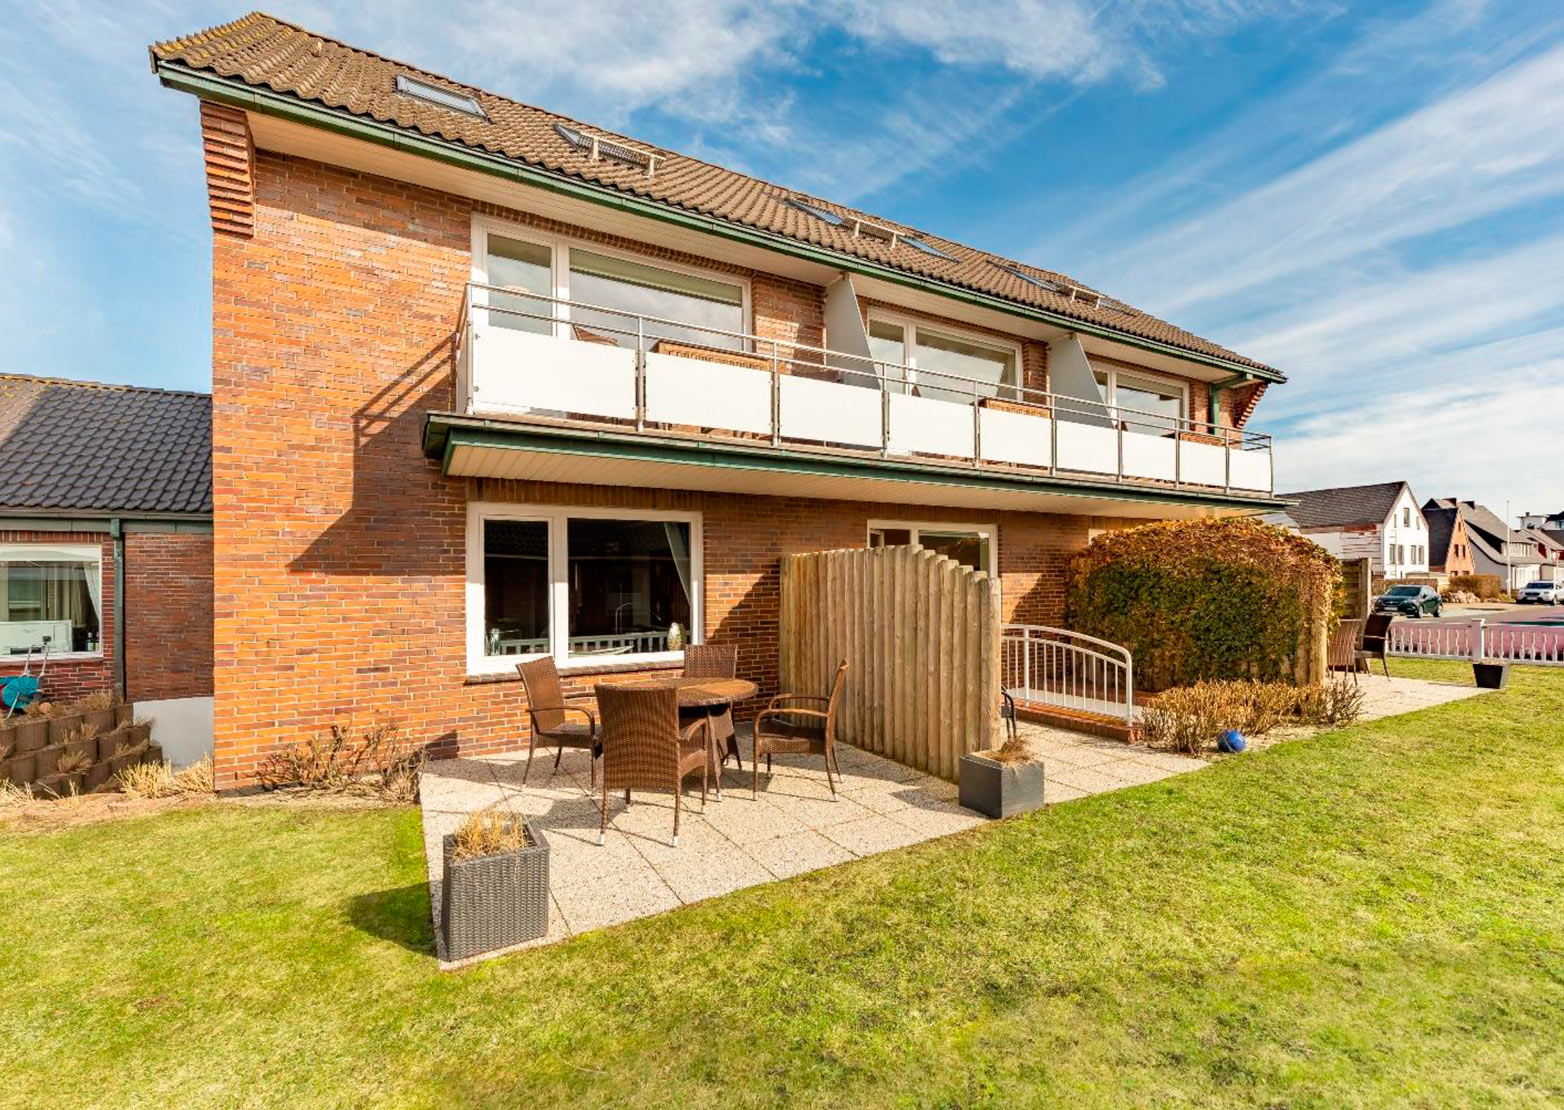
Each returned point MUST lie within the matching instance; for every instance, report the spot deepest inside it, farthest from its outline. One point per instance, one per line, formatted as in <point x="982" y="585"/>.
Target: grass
<point x="1371" y="917"/>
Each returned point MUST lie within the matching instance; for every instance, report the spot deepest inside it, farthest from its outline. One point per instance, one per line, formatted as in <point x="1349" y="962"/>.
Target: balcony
<point x="538" y="361"/>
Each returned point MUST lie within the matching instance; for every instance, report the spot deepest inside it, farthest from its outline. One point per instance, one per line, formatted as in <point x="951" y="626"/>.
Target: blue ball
<point x="1232" y="741"/>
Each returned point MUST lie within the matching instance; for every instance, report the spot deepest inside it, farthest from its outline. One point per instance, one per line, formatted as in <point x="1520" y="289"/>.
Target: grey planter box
<point x="494" y="901"/>
<point x="998" y="789"/>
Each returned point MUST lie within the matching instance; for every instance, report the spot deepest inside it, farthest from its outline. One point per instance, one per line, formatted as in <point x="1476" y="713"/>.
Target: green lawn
<point x="1374" y="916"/>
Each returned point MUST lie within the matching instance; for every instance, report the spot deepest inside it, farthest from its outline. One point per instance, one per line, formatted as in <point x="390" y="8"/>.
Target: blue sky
<point x="1366" y="195"/>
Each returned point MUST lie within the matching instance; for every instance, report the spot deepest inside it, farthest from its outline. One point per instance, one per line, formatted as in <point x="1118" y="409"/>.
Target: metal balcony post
<point x="776" y="398"/>
<point x="640" y="374"/>
<point x="885" y="422"/>
<point x="977" y="433"/>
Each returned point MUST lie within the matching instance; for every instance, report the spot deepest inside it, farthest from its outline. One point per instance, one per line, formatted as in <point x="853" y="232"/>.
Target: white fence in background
<point x="1477" y="640"/>
<point x="537" y="365"/>
<point x="1070" y="670"/>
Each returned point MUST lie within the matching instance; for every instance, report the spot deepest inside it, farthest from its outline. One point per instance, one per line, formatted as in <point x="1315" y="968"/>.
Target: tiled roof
<point x="1441" y="527"/>
<point x="84" y="446"/>
<point x="261" y="51"/>
<point x="1342" y="505"/>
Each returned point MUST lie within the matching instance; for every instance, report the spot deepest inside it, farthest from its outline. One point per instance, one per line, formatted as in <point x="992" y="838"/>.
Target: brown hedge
<point x="1202" y="599"/>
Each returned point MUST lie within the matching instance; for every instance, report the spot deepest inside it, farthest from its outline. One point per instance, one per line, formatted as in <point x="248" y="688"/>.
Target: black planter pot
<point x="494" y="901"/>
<point x="998" y="789"/>
<point x="1491" y="676"/>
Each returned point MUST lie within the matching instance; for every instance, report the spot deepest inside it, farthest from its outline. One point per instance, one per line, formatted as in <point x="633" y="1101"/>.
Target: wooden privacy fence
<point x="920" y="633"/>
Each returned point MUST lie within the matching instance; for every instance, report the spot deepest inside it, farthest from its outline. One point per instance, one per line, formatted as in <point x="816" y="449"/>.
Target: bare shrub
<point x="489" y="832"/>
<point x="1338" y="702"/>
<point x="377" y="760"/>
<point x="1189" y="719"/>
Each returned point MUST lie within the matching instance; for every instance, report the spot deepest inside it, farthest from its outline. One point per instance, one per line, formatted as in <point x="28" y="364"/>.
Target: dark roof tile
<point x="1343" y="505"/>
<point x="87" y="446"/>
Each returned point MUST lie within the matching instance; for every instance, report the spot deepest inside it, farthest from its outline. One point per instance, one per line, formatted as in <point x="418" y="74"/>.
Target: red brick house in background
<point x="106" y="547"/>
<point x="488" y="383"/>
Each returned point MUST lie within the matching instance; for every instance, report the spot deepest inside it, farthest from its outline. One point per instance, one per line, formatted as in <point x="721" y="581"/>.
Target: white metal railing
<point x="1058" y="667"/>
<point x="1479" y="641"/>
<point x="525" y="357"/>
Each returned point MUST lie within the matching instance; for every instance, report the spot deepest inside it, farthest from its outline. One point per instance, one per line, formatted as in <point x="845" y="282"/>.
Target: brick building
<point x="490" y="383"/>
<point x="106" y="547"/>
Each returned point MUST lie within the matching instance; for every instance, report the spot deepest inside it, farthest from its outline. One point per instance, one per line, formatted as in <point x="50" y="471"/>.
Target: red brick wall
<point x="339" y="549"/>
<point x="168" y="615"/>
<point x="69" y="679"/>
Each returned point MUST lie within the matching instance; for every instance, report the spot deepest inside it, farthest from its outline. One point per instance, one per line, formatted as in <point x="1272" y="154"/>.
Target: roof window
<point x="926" y="247"/>
<point x="818" y="213"/>
<point x="599" y="146"/>
<point x="434" y="94"/>
<point x="1032" y="279"/>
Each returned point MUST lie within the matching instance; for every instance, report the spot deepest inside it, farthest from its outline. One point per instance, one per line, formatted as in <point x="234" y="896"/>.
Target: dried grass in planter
<point x="490" y="832"/>
<point x="73" y="763"/>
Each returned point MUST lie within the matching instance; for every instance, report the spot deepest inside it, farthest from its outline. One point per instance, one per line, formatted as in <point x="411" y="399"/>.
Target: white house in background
<point x="1381" y="523"/>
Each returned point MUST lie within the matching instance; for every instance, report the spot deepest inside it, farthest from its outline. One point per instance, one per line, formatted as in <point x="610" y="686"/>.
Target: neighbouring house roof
<point x="1281" y="520"/>
<point x="1343" y="505"/>
<point x="72" y="447"/>
<point x="1555" y="534"/>
<point x="1441" y="527"/>
<point x="261" y="52"/>
<point x="1484" y="529"/>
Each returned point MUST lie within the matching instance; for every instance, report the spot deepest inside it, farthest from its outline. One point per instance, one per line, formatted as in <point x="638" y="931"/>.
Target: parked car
<point x="1543" y="593"/>
<point x="1409" y="601"/>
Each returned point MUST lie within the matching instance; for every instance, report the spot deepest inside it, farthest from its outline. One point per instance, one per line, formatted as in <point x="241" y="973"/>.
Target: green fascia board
<point x="289" y="106"/>
<point x="443" y="433"/>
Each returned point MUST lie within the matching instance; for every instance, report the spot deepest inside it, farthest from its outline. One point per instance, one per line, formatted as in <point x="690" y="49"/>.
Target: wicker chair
<point x="547" y="709"/>
<point x="644" y="750"/>
<point x="779" y="731"/>
<point x="715" y="661"/>
<point x="1342" y="654"/>
<point x="1376" y="634"/>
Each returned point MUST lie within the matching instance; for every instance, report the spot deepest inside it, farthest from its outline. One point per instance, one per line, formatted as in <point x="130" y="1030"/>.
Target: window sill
<point x="54" y="657"/>
<point x="579" y="670"/>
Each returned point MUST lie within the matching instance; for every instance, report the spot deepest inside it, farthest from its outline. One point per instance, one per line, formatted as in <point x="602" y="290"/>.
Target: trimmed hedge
<point x="1203" y="599"/>
<point x="1487" y="587"/>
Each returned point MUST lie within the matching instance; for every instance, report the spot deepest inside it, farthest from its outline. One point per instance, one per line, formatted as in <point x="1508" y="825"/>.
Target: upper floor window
<point x="1145" y="403"/>
<point x="554" y="287"/>
<point x="1406" y="518"/>
<point x="50" y="597"/>
<point x="941" y="364"/>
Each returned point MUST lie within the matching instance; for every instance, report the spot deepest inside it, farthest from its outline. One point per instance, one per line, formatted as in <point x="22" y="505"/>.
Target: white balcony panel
<point x="708" y="394"/>
<point x="830" y="412"/>
<point x="1204" y="463"/>
<point x="930" y="427"/>
<point x="518" y="371"/>
<point x="1015" y="437"/>
<point x="1087" y="448"/>
<point x="1148" y="456"/>
<point x="1251" y="469"/>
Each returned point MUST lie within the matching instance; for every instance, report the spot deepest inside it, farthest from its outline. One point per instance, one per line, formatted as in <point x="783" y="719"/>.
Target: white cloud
<point x="1469" y="155"/>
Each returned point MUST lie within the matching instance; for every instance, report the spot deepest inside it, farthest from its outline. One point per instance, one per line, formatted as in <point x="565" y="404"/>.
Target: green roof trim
<point x="444" y="432"/>
<point x="288" y="106"/>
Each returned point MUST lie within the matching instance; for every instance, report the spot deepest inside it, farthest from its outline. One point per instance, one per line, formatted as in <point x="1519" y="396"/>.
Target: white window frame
<point x="910" y="325"/>
<point x="559" y="247"/>
<point x="988" y="531"/>
<point x="557" y="518"/>
<point x="1111" y="397"/>
<point x="87" y="553"/>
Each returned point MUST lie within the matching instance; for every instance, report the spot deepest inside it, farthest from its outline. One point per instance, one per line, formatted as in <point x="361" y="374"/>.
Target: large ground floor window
<point x="50" y="596"/>
<point x="585" y="586"/>
<point x="971" y="545"/>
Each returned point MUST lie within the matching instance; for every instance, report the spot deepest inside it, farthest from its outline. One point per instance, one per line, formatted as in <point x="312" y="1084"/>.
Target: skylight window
<point x="927" y="248"/>
<point x="599" y="146"/>
<point x="434" y="94"/>
<point x="818" y="213"/>
<point x="1031" y="279"/>
<point x="1085" y="296"/>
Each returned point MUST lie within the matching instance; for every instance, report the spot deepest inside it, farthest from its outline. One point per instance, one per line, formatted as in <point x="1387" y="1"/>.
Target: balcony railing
<point x="522" y="356"/>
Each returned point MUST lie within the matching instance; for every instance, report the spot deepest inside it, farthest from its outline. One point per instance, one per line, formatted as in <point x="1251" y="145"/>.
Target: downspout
<point x="117" y="530"/>
<point x="1214" y="398"/>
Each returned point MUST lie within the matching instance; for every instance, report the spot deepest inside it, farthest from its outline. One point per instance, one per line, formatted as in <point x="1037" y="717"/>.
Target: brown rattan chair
<point x="781" y="729"/>
<point x="1342" y="654"/>
<point x="644" y="750"/>
<point x="1376" y="637"/>
<point x="714" y="661"/>
<point x="548" y="710"/>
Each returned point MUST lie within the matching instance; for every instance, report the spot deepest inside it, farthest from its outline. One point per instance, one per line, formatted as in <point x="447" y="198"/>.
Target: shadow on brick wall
<point x="398" y="523"/>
